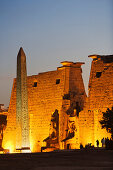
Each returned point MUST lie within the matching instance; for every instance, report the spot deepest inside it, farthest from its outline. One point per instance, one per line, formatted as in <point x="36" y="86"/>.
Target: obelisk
<point x="22" y="116"/>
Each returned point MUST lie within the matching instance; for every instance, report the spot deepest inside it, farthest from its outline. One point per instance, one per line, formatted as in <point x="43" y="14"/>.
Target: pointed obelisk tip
<point x="21" y="48"/>
<point x="21" y="52"/>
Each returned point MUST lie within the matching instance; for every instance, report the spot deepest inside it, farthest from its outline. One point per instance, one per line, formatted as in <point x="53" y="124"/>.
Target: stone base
<point x="23" y="150"/>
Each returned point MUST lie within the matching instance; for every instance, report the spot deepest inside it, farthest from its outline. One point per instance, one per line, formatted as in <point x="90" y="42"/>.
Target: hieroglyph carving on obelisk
<point x="22" y="116"/>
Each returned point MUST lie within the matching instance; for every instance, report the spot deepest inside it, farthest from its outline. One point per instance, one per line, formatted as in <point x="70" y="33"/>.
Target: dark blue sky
<point x="51" y="31"/>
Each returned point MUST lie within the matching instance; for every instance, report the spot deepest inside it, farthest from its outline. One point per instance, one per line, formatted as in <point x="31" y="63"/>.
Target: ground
<point x="59" y="160"/>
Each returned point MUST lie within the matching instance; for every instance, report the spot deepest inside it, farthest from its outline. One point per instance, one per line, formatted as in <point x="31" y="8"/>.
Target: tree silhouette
<point x="107" y="121"/>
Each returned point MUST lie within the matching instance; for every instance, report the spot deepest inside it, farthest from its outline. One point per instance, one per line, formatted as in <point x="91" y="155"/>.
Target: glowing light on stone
<point x="22" y="116"/>
<point x="9" y="146"/>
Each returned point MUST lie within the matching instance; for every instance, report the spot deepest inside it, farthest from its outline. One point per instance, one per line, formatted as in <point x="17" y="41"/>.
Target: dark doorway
<point x="68" y="146"/>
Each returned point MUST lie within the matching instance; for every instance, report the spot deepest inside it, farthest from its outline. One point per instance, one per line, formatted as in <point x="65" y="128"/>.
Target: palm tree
<point x="107" y="121"/>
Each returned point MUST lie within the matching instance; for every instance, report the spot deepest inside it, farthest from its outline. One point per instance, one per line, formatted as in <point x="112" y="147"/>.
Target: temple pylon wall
<point x="48" y="91"/>
<point x="62" y="91"/>
<point x="100" y="98"/>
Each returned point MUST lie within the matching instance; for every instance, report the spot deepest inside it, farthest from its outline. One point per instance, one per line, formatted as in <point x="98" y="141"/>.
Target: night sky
<point x="51" y="31"/>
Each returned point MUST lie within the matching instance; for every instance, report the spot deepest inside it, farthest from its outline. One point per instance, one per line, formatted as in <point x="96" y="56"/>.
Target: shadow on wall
<point x="3" y="124"/>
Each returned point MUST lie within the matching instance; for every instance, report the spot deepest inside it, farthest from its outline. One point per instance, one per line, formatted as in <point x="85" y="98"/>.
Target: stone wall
<point x="43" y="100"/>
<point x="9" y="140"/>
<point x="47" y="92"/>
<point x="100" y="98"/>
<point x="63" y="90"/>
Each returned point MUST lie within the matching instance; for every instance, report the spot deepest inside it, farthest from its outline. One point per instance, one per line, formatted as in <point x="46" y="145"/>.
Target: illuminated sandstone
<point x="47" y="92"/>
<point x="60" y="114"/>
<point x="100" y="98"/>
<point x="22" y="116"/>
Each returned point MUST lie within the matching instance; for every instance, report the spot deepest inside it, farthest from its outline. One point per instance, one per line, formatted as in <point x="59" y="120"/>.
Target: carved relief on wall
<point x="54" y="130"/>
